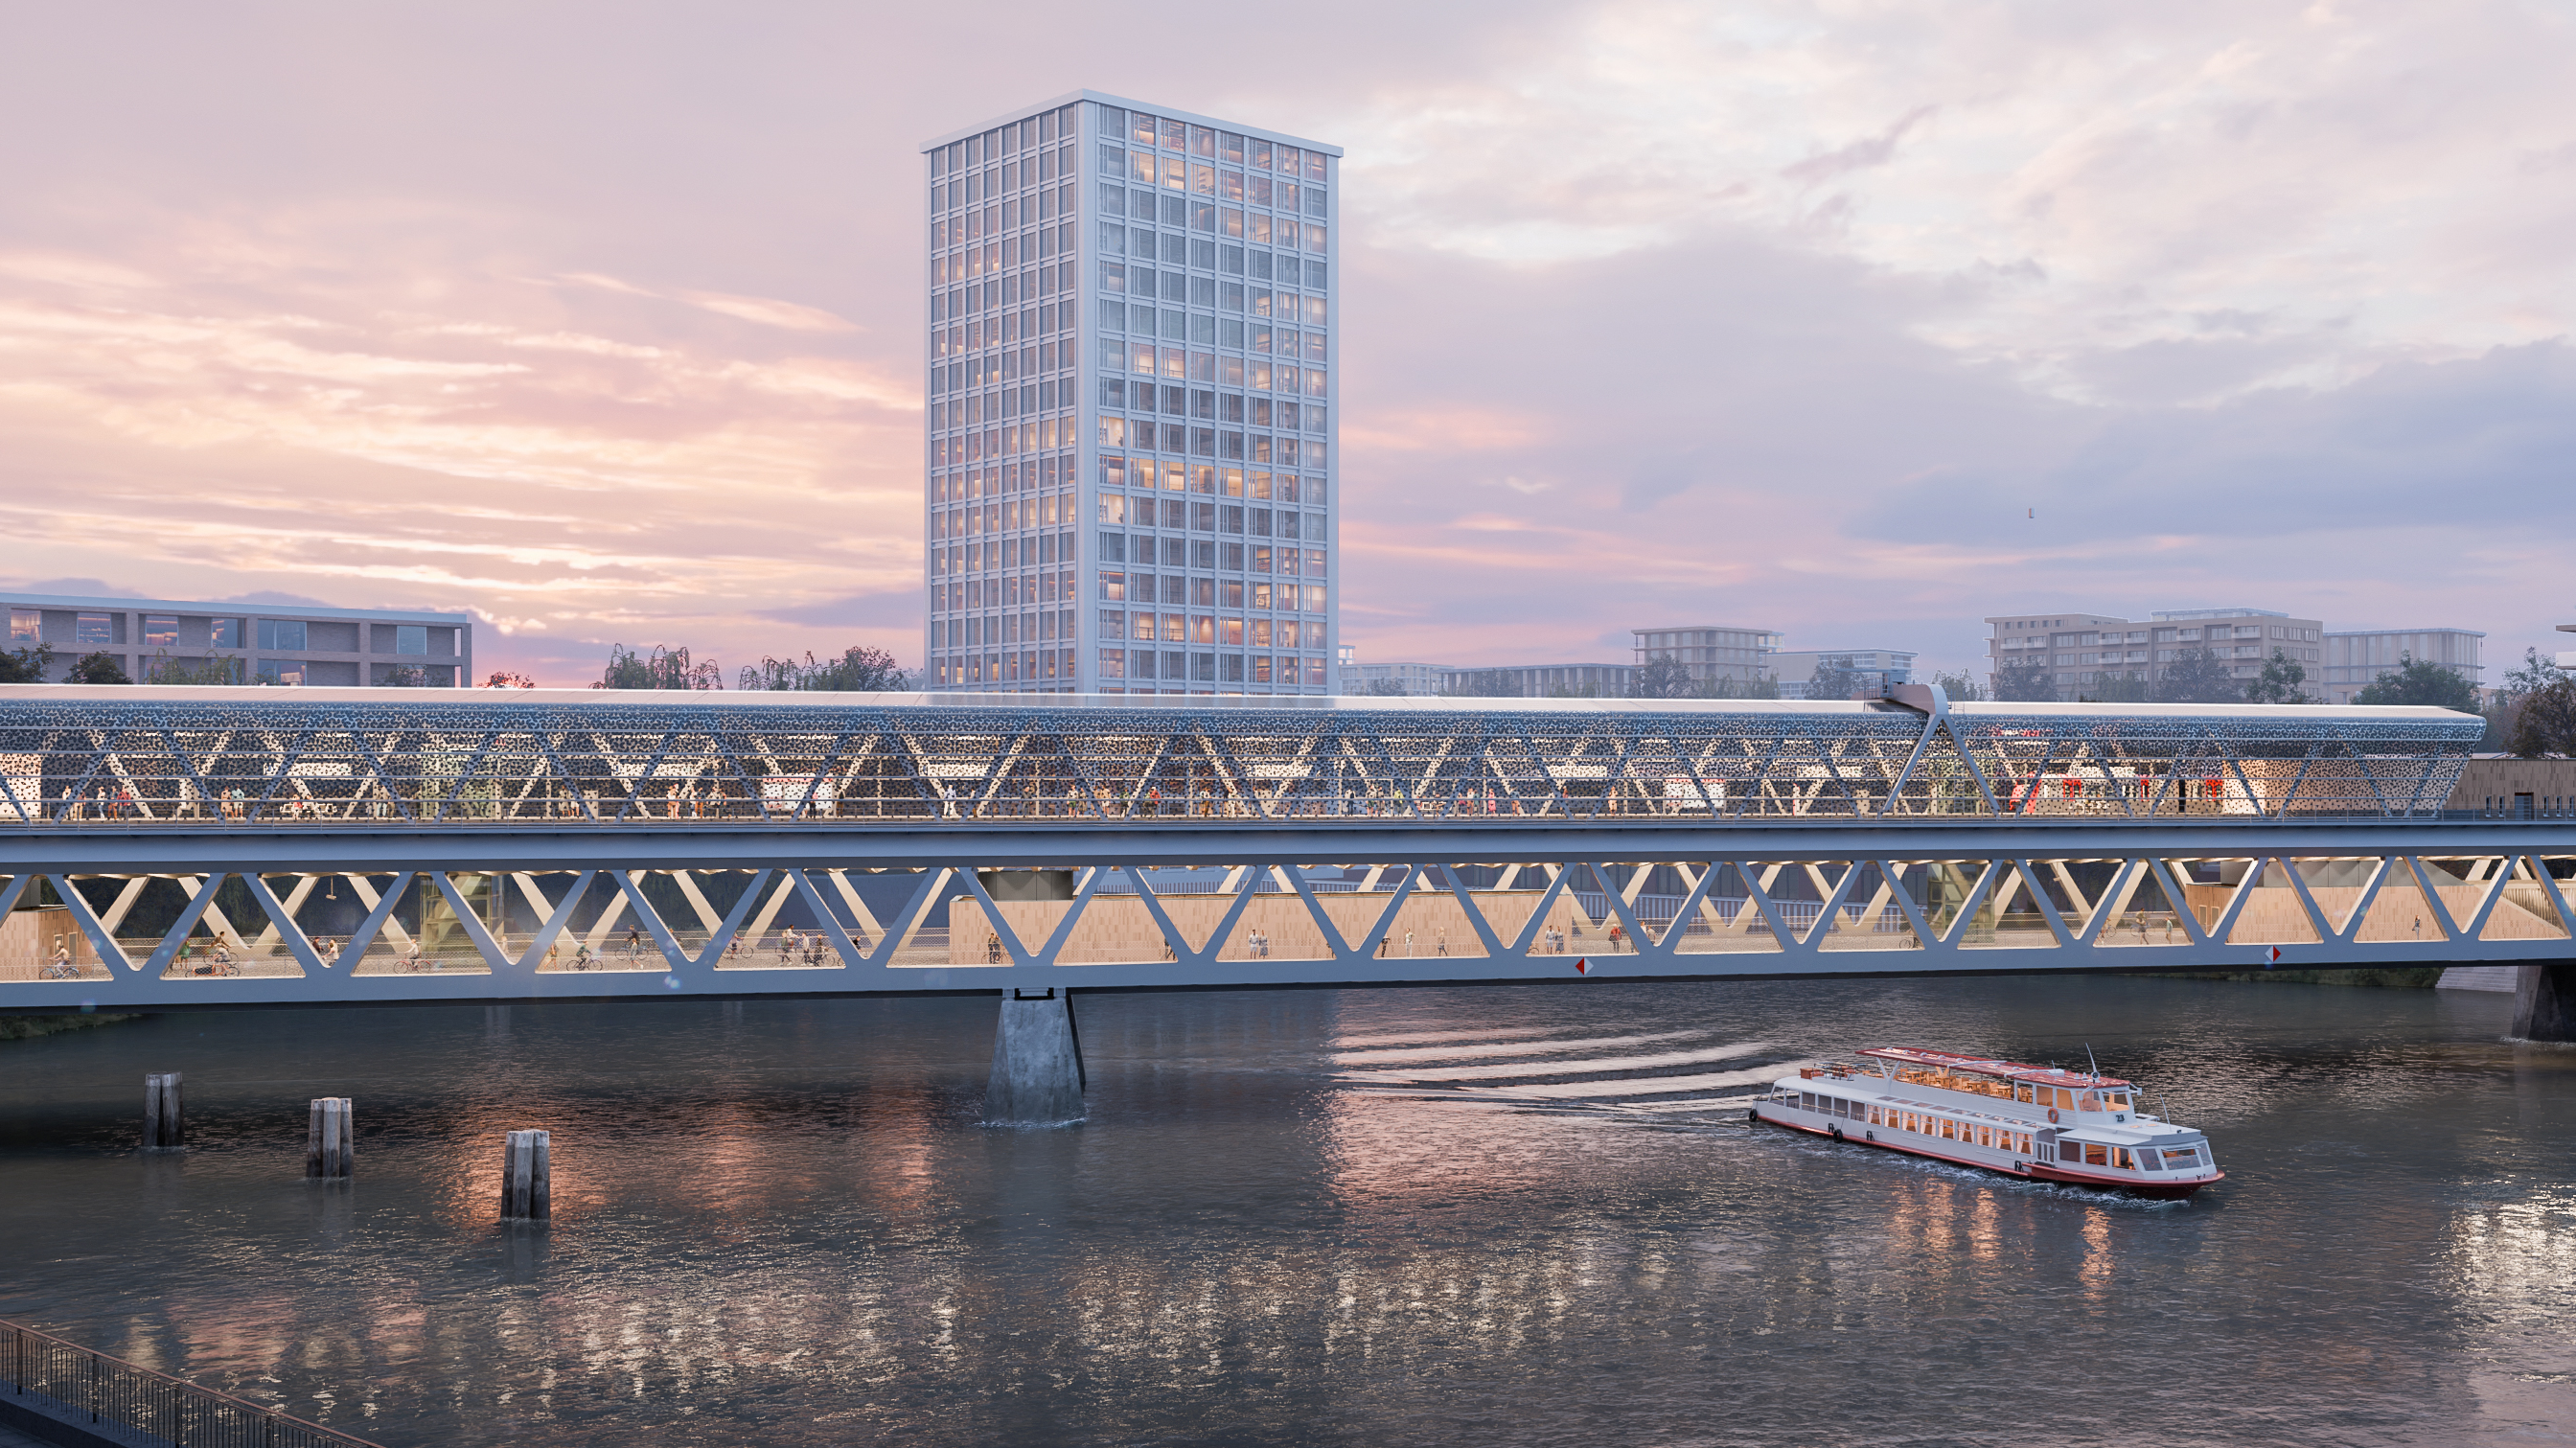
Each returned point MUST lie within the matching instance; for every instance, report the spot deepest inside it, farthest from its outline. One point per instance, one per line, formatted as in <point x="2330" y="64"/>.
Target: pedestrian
<point x="634" y="941"/>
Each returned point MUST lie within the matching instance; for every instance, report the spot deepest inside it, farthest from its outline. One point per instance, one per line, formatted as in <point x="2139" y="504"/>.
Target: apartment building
<point x="2085" y="648"/>
<point x="1411" y="678"/>
<point x="266" y="643"/>
<point x="1710" y="651"/>
<point x="1130" y="436"/>
<point x="2354" y="659"/>
<point x="1870" y="670"/>
<point x="1542" y="681"/>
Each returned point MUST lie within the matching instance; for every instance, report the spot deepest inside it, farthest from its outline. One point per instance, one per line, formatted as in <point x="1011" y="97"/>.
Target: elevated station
<point x="168" y="845"/>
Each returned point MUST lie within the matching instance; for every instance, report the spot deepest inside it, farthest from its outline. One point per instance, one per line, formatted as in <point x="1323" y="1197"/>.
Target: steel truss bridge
<point x="174" y="847"/>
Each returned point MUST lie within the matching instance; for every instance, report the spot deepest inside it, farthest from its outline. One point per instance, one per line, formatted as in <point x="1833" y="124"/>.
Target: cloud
<point x="1775" y="313"/>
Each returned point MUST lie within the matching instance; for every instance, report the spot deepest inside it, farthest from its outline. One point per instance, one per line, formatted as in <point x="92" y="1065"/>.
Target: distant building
<point x="2078" y="649"/>
<point x="1360" y="678"/>
<point x="1874" y="669"/>
<point x="1540" y="681"/>
<point x="1710" y="651"/>
<point x="265" y="643"/>
<point x="2354" y="660"/>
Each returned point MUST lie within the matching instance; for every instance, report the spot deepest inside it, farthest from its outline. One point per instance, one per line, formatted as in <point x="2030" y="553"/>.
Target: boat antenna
<point x="2089" y="1061"/>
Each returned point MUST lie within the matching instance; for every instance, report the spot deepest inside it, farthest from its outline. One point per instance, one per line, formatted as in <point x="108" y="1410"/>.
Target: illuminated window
<point x="26" y="626"/>
<point x="93" y="628"/>
<point x="160" y="632"/>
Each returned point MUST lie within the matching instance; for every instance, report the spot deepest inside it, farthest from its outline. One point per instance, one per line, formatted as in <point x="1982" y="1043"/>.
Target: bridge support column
<point x="2544" y="1002"/>
<point x="165" y="1119"/>
<point x="527" y="1176"/>
<point x="1037" y="1062"/>
<point x="330" y="1140"/>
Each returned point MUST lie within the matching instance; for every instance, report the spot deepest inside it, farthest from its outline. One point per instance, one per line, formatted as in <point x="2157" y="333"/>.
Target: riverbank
<point x="28" y="1028"/>
<point x="2409" y="977"/>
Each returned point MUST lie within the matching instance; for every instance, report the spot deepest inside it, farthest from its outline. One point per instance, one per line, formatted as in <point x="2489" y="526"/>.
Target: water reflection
<point x="780" y="1223"/>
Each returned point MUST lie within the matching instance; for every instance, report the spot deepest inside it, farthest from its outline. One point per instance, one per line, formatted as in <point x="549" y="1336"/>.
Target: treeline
<point x="858" y="670"/>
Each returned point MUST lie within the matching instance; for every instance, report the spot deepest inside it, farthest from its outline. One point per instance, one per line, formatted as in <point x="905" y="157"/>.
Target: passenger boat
<point x="2035" y="1122"/>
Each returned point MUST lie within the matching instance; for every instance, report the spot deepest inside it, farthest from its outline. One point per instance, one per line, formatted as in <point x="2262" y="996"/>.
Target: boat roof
<point x="1989" y="1066"/>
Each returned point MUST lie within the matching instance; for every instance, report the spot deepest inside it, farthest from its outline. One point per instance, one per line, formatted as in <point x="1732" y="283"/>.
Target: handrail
<point x="111" y="1390"/>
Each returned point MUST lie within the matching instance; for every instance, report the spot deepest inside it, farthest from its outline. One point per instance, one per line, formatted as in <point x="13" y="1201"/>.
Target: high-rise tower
<point x="1129" y="433"/>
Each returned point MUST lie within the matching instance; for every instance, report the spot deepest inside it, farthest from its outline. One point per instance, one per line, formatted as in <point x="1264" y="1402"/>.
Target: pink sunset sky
<point x="601" y="321"/>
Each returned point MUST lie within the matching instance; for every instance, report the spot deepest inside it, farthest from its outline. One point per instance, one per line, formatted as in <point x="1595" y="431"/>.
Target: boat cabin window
<point x="2026" y="1095"/>
<point x="2089" y="1101"/>
<point x="1806" y="1100"/>
<point x="2184" y="1159"/>
<point x="2065" y="1098"/>
<point x="1956" y="1081"/>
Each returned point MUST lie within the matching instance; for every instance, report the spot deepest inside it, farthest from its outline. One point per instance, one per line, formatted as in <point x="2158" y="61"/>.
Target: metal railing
<point x="109" y="1390"/>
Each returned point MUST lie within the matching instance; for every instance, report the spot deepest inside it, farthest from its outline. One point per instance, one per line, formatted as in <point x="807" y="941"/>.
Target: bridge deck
<point x="174" y="847"/>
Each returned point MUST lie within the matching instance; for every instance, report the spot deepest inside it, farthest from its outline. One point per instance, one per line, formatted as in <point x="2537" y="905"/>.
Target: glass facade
<point x="1130" y="409"/>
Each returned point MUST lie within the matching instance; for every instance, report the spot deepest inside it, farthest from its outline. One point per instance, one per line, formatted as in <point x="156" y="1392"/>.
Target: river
<point x="1468" y="1216"/>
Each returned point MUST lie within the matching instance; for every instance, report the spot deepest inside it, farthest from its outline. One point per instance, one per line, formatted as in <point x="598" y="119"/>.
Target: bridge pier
<point x="2544" y="1002"/>
<point x="1037" y="1062"/>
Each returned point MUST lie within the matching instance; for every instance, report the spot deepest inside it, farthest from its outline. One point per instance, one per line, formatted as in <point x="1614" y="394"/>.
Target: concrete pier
<point x="165" y="1117"/>
<point x="1037" y="1061"/>
<point x="2544" y="1002"/>
<point x="527" y="1177"/>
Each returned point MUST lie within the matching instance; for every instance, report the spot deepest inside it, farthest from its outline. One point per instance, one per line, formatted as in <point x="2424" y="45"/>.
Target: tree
<point x="2025" y="681"/>
<point x="101" y="667"/>
<point x="1385" y="689"/>
<point x="1727" y="686"/>
<point x="1483" y="684"/>
<point x="665" y="669"/>
<point x="2520" y="686"/>
<point x="2118" y="689"/>
<point x="2279" y="682"/>
<point x="1961" y="687"/>
<point x="208" y="670"/>
<point x="1568" y="691"/>
<point x="1833" y="680"/>
<point x="1662" y="677"/>
<point x="2545" y="721"/>
<point x="26" y="666"/>
<point x="2421" y="682"/>
<point x="2535" y="674"/>
<point x="859" y="670"/>
<point x="504" y="679"/>
<point x="2197" y="677"/>
<point x="404" y="676"/>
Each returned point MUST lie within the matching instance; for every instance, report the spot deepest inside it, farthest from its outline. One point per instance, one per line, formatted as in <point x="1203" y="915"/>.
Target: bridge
<point x="169" y="847"/>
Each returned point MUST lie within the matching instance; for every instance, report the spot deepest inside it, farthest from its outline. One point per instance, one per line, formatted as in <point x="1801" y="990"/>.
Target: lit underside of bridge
<point x="171" y="847"/>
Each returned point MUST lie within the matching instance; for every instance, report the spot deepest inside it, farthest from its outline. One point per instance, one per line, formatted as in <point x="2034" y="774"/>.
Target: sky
<point x="1858" y="321"/>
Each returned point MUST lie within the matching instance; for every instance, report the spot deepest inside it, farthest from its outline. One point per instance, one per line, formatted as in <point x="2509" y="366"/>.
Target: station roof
<point x="1969" y="716"/>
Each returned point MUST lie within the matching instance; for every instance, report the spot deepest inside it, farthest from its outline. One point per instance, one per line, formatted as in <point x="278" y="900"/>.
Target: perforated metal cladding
<point x="275" y="758"/>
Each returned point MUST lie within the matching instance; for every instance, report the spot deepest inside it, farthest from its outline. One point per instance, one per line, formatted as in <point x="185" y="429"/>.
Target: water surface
<point x="779" y="1223"/>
